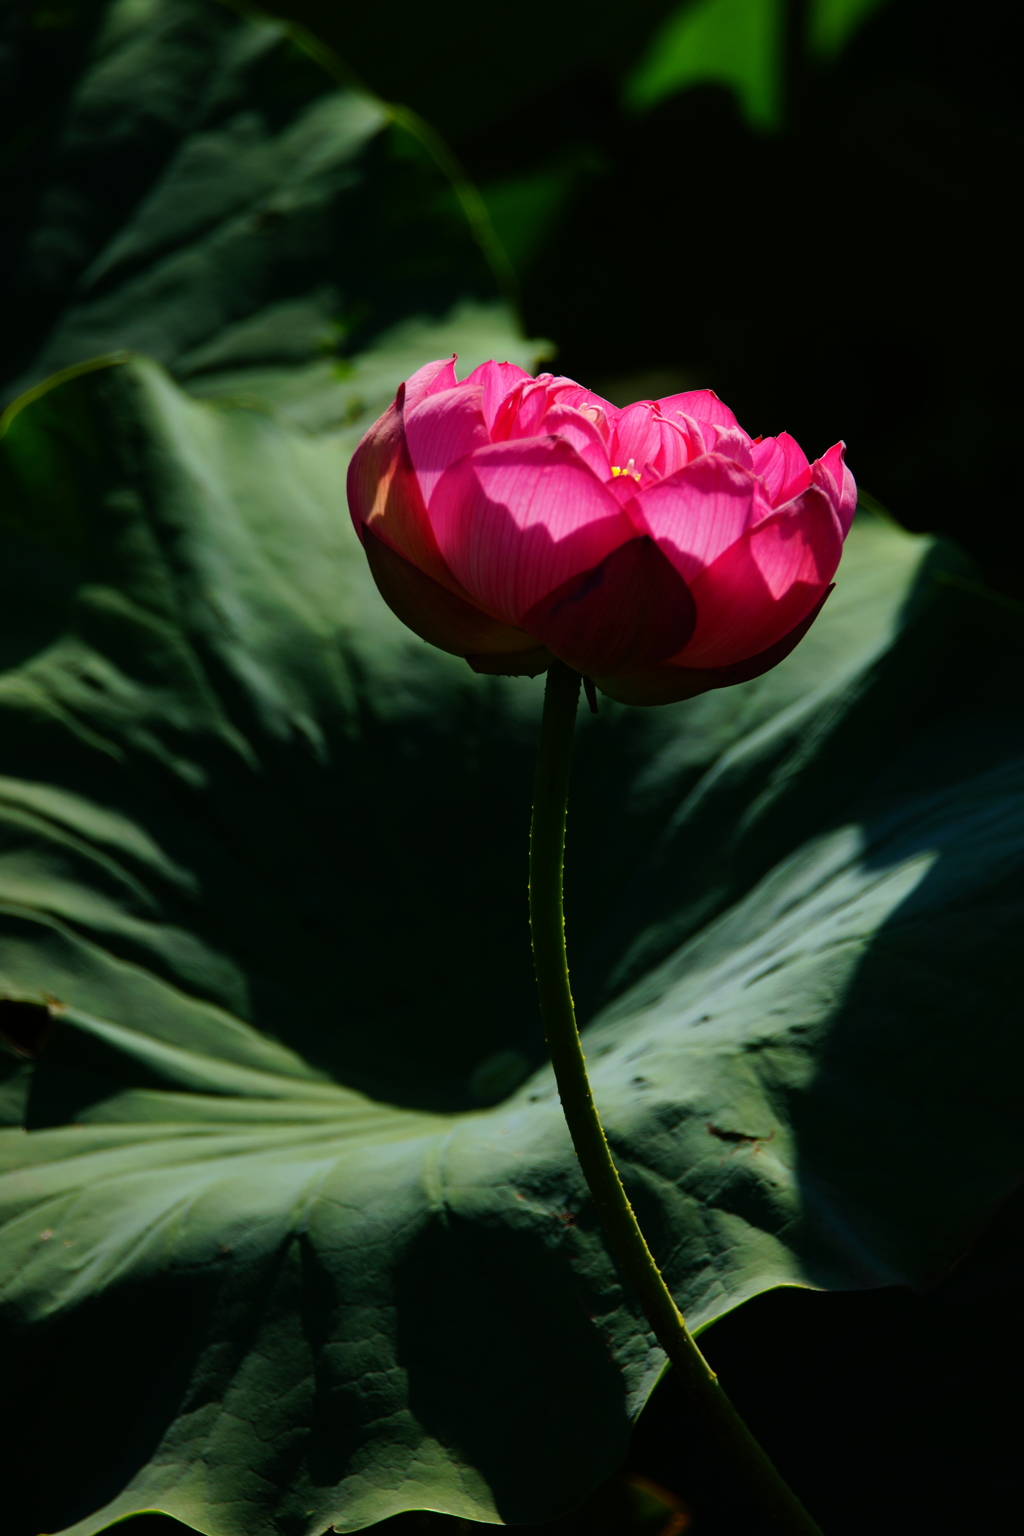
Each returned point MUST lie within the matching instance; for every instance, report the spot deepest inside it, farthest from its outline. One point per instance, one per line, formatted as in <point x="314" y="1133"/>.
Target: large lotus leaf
<point x="211" y="198"/>
<point x="271" y="1261"/>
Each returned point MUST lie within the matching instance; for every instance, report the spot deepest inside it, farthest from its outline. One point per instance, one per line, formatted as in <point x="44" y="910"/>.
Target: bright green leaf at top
<point x="831" y="23"/>
<point x="736" y="43"/>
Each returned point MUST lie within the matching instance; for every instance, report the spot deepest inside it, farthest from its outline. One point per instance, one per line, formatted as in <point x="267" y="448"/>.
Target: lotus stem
<point x="625" y="1239"/>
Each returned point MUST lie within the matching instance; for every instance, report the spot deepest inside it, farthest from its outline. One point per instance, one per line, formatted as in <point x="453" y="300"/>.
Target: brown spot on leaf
<point x="716" y="1130"/>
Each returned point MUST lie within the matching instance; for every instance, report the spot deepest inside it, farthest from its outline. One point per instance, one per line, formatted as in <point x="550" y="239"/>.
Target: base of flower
<point x="514" y="663"/>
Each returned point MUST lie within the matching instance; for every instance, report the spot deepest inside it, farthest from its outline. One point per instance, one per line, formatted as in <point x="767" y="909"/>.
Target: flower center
<point x="630" y="470"/>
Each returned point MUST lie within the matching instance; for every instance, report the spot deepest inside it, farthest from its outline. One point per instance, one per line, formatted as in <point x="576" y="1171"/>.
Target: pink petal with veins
<point x="765" y="583"/>
<point x="733" y="443"/>
<point x="640" y="434"/>
<point x="697" y="513"/>
<point x="782" y="465"/>
<point x="443" y="428"/>
<point x="436" y="613"/>
<point x="517" y="519"/>
<point x="497" y="381"/>
<point x="521" y="412"/>
<point x="668" y="684"/>
<point x="584" y="435"/>
<point x="624" y="489"/>
<point x="429" y="379"/>
<point x="384" y="495"/>
<point x="702" y="404"/>
<point x="631" y="610"/>
<point x="702" y="434"/>
<point x="677" y="449"/>
<point x="601" y="412"/>
<point x="635" y="435"/>
<point x="832" y="475"/>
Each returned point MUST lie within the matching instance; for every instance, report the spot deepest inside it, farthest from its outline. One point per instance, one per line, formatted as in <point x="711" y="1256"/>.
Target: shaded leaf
<point x="211" y="198"/>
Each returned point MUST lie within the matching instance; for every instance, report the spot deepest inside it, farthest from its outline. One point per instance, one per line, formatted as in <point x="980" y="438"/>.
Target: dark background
<point x="850" y="271"/>
<point x="846" y="265"/>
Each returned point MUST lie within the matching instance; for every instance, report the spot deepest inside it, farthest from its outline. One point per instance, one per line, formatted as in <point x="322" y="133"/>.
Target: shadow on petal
<point x="756" y="591"/>
<point x="516" y="519"/>
<point x="631" y="610"/>
<point x="442" y="429"/>
<point x="433" y="612"/>
<point x="669" y="684"/>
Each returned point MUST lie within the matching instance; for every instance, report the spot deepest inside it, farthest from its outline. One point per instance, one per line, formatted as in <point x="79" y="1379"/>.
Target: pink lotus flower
<point x="657" y="549"/>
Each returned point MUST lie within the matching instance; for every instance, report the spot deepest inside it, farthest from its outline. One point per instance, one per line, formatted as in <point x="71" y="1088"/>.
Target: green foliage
<point x="292" y="1232"/>
<point x="737" y="43"/>
<point x="831" y="23"/>
<point x="214" y="200"/>
<point x="523" y="209"/>
<point x="266" y="851"/>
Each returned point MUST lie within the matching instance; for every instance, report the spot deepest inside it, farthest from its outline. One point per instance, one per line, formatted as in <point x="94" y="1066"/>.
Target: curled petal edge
<point x="701" y="404"/>
<point x="384" y="494"/>
<point x="430" y="380"/>
<point x="670" y="684"/>
<point x="832" y="475"/>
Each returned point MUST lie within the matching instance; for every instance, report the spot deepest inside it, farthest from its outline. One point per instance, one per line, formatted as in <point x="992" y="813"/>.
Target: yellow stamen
<point x="630" y="470"/>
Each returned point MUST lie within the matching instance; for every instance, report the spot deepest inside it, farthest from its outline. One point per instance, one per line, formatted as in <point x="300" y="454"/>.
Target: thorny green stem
<point x="627" y="1243"/>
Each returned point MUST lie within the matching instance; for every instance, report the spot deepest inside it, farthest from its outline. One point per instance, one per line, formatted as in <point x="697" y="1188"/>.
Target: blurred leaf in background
<point x="735" y="43"/>
<point x="207" y="195"/>
<point x="740" y="44"/>
<point x="831" y="23"/>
